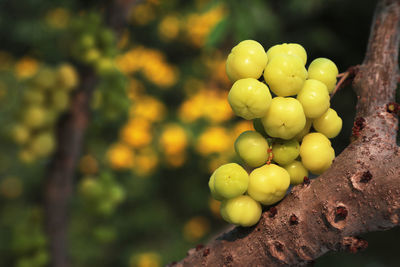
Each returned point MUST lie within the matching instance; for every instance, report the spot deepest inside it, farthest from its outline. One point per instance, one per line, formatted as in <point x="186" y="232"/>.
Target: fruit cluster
<point x="45" y="97"/>
<point x="282" y="150"/>
<point x="92" y="43"/>
<point x="101" y="194"/>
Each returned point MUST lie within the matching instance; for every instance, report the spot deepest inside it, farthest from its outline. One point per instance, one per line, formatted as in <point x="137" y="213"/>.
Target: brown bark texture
<point x="360" y="193"/>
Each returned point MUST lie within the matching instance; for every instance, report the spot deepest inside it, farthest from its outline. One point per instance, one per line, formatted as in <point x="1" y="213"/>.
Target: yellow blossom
<point x="26" y="67"/>
<point x="147" y="161"/>
<point x="241" y="127"/>
<point x="148" y="259"/>
<point x="168" y="28"/>
<point x="137" y="132"/>
<point x="120" y="156"/>
<point x="175" y="160"/>
<point x="173" y="139"/>
<point x="214" y="140"/>
<point x="149" y="108"/>
<point x="196" y="228"/>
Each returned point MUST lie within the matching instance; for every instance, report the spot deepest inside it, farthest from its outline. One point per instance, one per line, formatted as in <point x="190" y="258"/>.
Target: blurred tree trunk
<point x="360" y="193"/>
<point x="70" y="137"/>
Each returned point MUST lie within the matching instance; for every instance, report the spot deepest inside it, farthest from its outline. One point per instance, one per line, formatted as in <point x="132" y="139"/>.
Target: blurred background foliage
<point x="160" y="120"/>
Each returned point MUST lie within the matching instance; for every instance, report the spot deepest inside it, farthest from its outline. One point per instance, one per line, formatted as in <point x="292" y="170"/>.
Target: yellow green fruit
<point x="314" y="98"/>
<point x="305" y="130"/>
<point x="316" y="153"/>
<point x="34" y="117"/>
<point x="230" y="180"/>
<point x="288" y="49"/>
<point x="296" y="171"/>
<point x="324" y="70"/>
<point x="241" y="210"/>
<point x="329" y="124"/>
<point x="268" y="184"/>
<point x="20" y="134"/>
<point x="60" y="100"/>
<point x="246" y="60"/>
<point x="285" y="151"/>
<point x="214" y="194"/>
<point x="67" y="76"/>
<point x="285" y="118"/>
<point x="43" y="144"/>
<point x="285" y="74"/>
<point x="252" y="148"/>
<point x="249" y="98"/>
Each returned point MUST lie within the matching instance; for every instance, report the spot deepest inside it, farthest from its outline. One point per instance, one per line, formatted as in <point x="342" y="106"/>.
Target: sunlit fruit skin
<point x="285" y="151"/>
<point x="314" y="98"/>
<point x="285" y="74"/>
<point x="252" y="148"/>
<point x="329" y="124"/>
<point x="214" y="194"/>
<point x="288" y="49"/>
<point x="249" y="98"/>
<point x="316" y="153"/>
<point x="268" y="184"/>
<point x="241" y="210"/>
<point x="246" y="60"/>
<point x="296" y="171"/>
<point x="285" y="118"/>
<point x="324" y="70"/>
<point x="305" y="130"/>
<point x="230" y="180"/>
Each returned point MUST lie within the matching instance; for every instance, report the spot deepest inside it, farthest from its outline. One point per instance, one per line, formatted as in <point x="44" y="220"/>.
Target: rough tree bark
<point x="70" y="136"/>
<point x="360" y="193"/>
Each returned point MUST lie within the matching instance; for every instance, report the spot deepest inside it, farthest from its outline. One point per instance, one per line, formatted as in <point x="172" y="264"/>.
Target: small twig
<point x="345" y="78"/>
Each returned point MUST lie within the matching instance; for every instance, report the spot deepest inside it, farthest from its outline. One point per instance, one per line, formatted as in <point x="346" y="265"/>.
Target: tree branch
<point x="70" y="135"/>
<point x="360" y="193"/>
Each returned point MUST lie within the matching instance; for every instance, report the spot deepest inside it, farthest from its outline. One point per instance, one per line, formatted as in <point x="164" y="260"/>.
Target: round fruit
<point x="314" y="98"/>
<point x="296" y="171"/>
<point x="328" y="124"/>
<point x="316" y="153"/>
<point x="324" y="70"/>
<point x="284" y="152"/>
<point x="91" y="188"/>
<point x="252" y="148"/>
<point x="249" y="98"/>
<point x="305" y="130"/>
<point x="241" y="210"/>
<point x="268" y="184"/>
<point x="67" y="76"/>
<point x="20" y="134"/>
<point x="43" y="144"/>
<point x="34" y="117"/>
<point x="288" y="49"/>
<point x="246" y="60"/>
<point x="214" y="194"/>
<point x="230" y="180"/>
<point x="285" y="118"/>
<point x="285" y="74"/>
